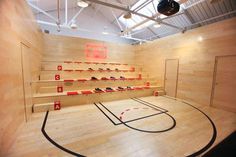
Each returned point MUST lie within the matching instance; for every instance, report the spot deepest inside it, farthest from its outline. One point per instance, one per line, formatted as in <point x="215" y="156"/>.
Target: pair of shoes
<point x="109" y="89"/>
<point x="94" y="78"/>
<point x="98" y="90"/>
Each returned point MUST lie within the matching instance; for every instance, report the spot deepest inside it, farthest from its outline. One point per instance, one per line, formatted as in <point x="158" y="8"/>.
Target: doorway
<point x="26" y="80"/>
<point x="171" y="76"/>
<point x="224" y="83"/>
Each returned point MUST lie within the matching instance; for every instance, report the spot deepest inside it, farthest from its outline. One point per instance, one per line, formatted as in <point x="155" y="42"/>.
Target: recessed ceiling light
<point x="200" y="39"/>
<point x="105" y="33"/>
<point x="157" y="25"/>
<point x="73" y="25"/>
<point x="82" y="4"/>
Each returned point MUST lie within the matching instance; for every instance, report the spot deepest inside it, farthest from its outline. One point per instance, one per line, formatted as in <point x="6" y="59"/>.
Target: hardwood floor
<point x="86" y="130"/>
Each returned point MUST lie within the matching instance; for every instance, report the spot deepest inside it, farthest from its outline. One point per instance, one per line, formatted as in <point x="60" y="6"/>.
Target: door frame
<point x="214" y="76"/>
<point x="23" y="80"/>
<point x="177" y="79"/>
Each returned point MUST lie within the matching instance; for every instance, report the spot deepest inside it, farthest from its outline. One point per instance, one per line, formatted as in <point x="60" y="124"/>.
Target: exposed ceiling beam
<point x="76" y="15"/>
<point x="42" y="11"/>
<point x="133" y="12"/>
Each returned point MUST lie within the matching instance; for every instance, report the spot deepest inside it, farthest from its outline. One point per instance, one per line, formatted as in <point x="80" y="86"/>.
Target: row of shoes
<point x="110" y="89"/>
<point x="105" y="78"/>
<point x="100" y="69"/>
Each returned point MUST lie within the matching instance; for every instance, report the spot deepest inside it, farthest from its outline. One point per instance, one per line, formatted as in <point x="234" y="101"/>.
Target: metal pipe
<point x="42" y="11"/>
<point x="66" y="12"/>
<point x="133" y="12"/>
<point x="76" y="15"/>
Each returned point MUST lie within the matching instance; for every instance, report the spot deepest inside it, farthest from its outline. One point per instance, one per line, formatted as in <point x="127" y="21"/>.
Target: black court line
<point x="128" y="121"/>
<point x="105" y="114"/>
<point x="213" y="138"/>
<point x="53" y="142"/>
<point x="141" y="130"/>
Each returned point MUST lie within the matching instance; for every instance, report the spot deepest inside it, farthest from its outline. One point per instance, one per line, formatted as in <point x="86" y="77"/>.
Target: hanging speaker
<point x="168" y="7"/>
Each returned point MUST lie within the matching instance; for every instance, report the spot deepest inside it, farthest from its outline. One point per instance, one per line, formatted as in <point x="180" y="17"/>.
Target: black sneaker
<point x="120" y="88"/>
<point x="94" y="78"/>
<point x="112" y="78"/>
<point x="109" y="89"/>
<point x="129" y="88"/>
<point x="122" y="77"/>
<point x="98" y="90"/>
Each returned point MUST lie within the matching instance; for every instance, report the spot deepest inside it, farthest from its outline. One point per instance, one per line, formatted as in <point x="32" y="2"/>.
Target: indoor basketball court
<point x="119" y="78"/>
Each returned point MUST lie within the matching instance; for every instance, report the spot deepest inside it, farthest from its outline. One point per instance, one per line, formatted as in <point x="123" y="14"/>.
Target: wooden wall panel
<point x="63" y="48"/>
<point x="16" y="26"/>
<point x="196" y="59"/>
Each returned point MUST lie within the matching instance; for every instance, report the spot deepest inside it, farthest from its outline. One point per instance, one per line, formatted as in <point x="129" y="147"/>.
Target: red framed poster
<point x="95" y="51"/>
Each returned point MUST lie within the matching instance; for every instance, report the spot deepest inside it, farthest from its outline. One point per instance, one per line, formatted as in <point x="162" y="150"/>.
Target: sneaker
<point x="112" y="78"/>
<point x="94" y="78"/>
<point x="90" y="69"/>
<point x="122" y="77"/>
<point x="109" y="89"/>
<point x="108" y="69"/>
<point x="129" y="88"/>
<point x="120" y="88"/>
<point x="98" y="90"/>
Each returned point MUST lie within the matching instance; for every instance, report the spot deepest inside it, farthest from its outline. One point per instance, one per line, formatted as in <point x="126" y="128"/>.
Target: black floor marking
<point x="128" y="121"/>
<point x="105" y="114"/>
<point x="53" y="142"/>
<point x="213" y="138"/>
<point x="141" y="130"/>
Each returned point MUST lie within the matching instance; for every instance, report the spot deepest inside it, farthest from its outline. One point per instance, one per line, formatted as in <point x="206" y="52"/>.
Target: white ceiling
<point x="96" y="18"/>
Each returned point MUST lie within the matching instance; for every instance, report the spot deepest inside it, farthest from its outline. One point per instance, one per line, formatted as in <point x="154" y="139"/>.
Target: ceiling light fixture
<point x="105" y="33"/>
<point x="82" y="4"/>
<point x="157" y="25"/>
<point x="73" y="25"/>
<point x="128" y="14"/>
<point x="200" y="39"/>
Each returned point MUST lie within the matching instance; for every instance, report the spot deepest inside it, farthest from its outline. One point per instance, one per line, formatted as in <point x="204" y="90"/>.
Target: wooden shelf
<point x="80" y="92"/>
<point x="86" y="80"/>
<point x="84" y="70"/>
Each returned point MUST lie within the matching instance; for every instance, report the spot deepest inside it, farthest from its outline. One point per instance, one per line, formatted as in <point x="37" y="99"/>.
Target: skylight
<point x="149" y="10"/>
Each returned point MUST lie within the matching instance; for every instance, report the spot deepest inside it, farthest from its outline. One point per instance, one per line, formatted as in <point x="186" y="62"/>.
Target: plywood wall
<point x="71" y="48"/>
<point x="196" y="58"/>
<point x="16" y="26"/>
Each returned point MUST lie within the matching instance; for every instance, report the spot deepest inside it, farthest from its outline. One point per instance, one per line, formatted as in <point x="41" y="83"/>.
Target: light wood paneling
<point x="171" y="76"/>
<point x="17" y="25"/>
<point x="196" y="58"/>
<point x="225" y="83"/>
